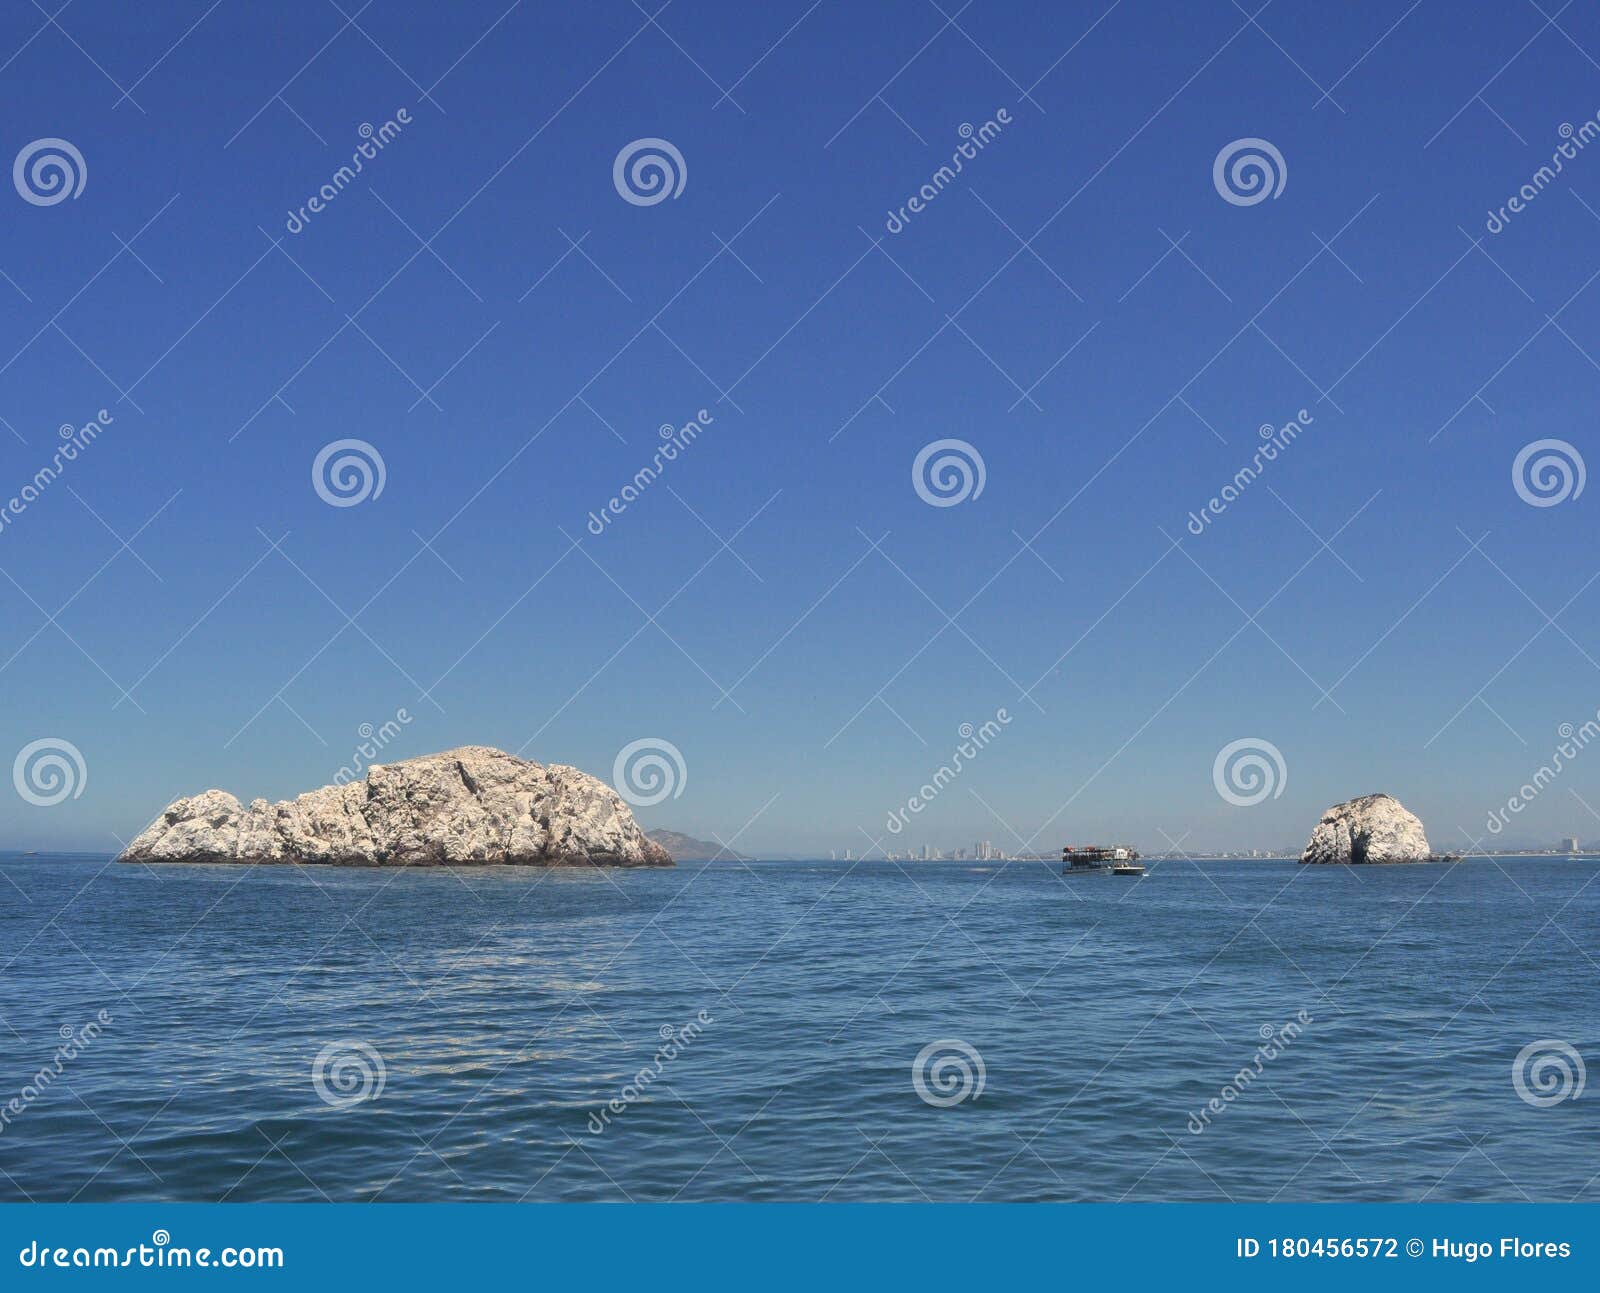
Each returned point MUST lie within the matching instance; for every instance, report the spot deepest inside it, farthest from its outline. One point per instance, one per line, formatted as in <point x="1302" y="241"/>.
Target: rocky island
<point x="1373" y="828"/>
<point x="470" y="806"/>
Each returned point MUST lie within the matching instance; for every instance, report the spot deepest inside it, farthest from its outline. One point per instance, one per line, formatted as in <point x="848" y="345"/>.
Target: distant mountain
<point x="685" y="848"/>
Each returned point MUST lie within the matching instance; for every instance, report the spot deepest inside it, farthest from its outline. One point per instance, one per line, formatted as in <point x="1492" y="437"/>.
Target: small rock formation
<point x="1373" y="828"/>
<point x="472" y="805"/>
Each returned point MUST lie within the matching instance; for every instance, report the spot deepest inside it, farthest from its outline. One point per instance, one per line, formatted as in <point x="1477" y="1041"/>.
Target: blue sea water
<point x="489" y="1016"/>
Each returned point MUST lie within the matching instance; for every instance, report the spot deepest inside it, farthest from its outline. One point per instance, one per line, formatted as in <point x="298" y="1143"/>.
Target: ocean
<point x="1228" y="1030"/>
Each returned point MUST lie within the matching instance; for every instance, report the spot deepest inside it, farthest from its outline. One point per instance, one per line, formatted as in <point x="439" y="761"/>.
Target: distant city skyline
<point x="935" y="853"/>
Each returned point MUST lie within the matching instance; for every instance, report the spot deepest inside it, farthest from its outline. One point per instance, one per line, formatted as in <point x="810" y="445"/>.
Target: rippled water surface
<point x="507" y="1006"/>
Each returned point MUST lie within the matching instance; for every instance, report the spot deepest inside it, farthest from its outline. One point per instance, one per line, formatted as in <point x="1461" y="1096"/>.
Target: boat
<point x="1119" y="859"/>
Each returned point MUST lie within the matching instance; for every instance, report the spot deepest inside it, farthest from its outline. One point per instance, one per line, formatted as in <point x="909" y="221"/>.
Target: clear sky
<point x="1080" y="304"/>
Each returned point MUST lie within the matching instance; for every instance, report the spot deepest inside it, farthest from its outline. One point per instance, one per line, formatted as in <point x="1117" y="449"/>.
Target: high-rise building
<point x="1570" y="844"/>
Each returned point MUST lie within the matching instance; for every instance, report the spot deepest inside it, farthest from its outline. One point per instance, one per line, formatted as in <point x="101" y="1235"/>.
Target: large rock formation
<point x="470" y="805"/>
<point x="1374" y="828"/>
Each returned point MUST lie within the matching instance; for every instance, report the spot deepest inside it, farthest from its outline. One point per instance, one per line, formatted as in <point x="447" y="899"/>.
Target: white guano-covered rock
<point x="1373" y="828"/>
<point x="473" y="805"/>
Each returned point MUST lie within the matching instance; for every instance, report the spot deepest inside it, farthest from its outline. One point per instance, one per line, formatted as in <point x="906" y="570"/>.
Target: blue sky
<point x="809" y="671"/>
